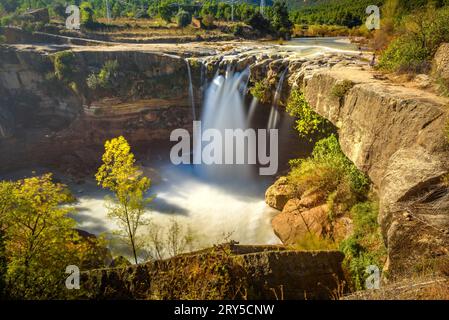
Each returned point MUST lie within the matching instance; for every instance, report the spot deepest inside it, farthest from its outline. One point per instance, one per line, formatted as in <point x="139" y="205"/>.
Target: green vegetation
<point x="64" y="65"/>
<point x="259" y="91"/>
<point x="365" y="247"/>
<point x="328" y="170"/>
<point x="106" y="78"/>
<point x="417" y="36"/>
<point x="183" y="18"/>
<point x="340" y="89"/>
<point x="119" y="174"/>
<point x="308" y="121"/>
<point x="39" y="239"/>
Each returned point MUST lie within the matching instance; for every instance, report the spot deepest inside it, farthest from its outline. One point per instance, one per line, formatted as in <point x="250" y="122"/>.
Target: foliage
<point x="365" y="247"/>
<point x="329" y="171"/>
<point x="183" y="18"/>
<point x="421" y="34"/>
<point x="87" y="14"/>
<point x="209" y="276"/>
<point x="308" y="121"/>
<point x="39" y="238"/>
<point x="259" y="91"/>
<point x="106" y="78"/>
<point x="2" y="39"/>
<point x="64" y="65"/>
<point x="340" y="89"/>
<point x="168" y="242"/>
<point x="312" y="242"/>
<point x="122" y="176"/>
<point x="280" y="20"/>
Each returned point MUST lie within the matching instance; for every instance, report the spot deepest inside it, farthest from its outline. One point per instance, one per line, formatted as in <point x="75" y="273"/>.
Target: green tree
<point x="183" y="18"/>
<point x="122" y="176"/>
<point x="39" y="236"/>
<point x="87" y="14"/>
<point x="165" y="12"/>
<point x="280" y="20"/>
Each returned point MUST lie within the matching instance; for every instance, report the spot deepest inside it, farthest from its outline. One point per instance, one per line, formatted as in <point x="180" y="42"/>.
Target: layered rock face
<point x="263" y="272"/>
<point x="396" y="135"/>
<point x="45" y="120"/>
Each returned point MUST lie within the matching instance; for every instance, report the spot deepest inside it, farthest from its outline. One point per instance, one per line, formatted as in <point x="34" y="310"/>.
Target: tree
<point x="87" y="15"/>
<point x="120" y="174"/>
<point x="38" y="239"/>
<point x="165" y="12"/>
<point x="183" y="18"/>
<point x="37" y="232"/>
<point x="280" y="19"/>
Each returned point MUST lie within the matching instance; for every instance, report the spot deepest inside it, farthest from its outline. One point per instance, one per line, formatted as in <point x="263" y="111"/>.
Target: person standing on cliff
<point x="373" y="60"/>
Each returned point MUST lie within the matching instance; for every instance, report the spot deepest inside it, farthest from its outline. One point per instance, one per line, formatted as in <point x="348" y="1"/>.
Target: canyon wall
<point x="47" y="120"/>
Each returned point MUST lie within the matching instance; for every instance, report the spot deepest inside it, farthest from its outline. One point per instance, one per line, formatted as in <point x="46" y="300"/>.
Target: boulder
<point x="279" y="193"/>
<point x="295" y="222"/>
<point x="37" y="15"/>
<point x="441" y="62"/>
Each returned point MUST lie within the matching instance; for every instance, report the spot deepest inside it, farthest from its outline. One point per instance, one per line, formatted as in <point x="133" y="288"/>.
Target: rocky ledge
<point x="223" y="272"/>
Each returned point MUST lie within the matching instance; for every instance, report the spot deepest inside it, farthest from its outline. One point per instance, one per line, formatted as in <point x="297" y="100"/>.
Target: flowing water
<point x="214" y="202"/>
<point x="191" y="95"/>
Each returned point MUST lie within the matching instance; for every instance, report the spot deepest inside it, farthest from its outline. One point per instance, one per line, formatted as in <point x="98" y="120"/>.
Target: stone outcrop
<point x="279" y="193"/>
<point x="396" y="135"/>
<point x="44" y="120"/>
<point x="264" y="272"/>
<point x="441" y="62"/>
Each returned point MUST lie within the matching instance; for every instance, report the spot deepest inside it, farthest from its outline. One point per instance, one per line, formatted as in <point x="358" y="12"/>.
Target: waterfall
<point x="191" y="96"/>
<point x="224" y="108"/>
<point x="274" y="113"/>
<point x="252" y="110"/>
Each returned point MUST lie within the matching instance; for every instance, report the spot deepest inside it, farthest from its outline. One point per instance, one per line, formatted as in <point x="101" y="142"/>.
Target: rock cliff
<point x="45" y="120"/>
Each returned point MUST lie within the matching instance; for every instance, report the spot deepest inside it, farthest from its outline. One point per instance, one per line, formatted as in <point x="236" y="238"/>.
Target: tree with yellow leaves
<point x="122" y="176"/>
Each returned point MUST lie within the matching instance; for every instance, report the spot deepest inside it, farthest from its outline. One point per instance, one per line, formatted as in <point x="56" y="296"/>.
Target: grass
<point x="340" y="89"/>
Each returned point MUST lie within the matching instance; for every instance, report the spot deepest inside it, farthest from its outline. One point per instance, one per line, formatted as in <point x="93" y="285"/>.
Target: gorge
<point x="391" y="132"/>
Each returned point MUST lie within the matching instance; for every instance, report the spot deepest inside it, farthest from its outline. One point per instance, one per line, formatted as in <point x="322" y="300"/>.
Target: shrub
<point x="340" y="89"/>
<point x="413" y="49"/>
<point x="106" y="78"/>
<point x="183" y="18"/>
<point x="365" y="247"/>
<point x="2" y="39"/>
<point x="259" y="91"/>
<point x="314" y="242"/>
<point x="64" y="65"/>
<point x="308" y="121"/>
<point x="330" y="171"/>
<point x="87" y="15"/>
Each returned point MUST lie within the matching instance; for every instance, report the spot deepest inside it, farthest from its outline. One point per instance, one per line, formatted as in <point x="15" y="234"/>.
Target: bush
<point x="64" y="65"/>
<point x="365" y="247"/>
<point x="330" y="171"/>
<point x="87" y="15"/>
<point x="415" y="46"/>
<point x="259" y="91"/>
<point x="308" y="121"/>
<point x="106" y="78"/>
<point x="312" y="242"/>
<point x="183" y="18"/>
<point x="340" y="89"/>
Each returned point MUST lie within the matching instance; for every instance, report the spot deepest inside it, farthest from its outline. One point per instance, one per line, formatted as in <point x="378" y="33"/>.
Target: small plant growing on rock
<point x="259" y="91"/>
<point x="308" y="121"/>
<point x="340" y="89"/>
<point x="183" y="18"/>
<point x="106" y="78"/>
<point x="64" y="65"/>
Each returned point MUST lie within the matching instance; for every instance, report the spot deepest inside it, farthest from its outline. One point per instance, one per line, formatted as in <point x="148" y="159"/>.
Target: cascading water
<point x="273" y="121"/>
<point x="224" y="108"/>
<point x="191" y="96"/>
